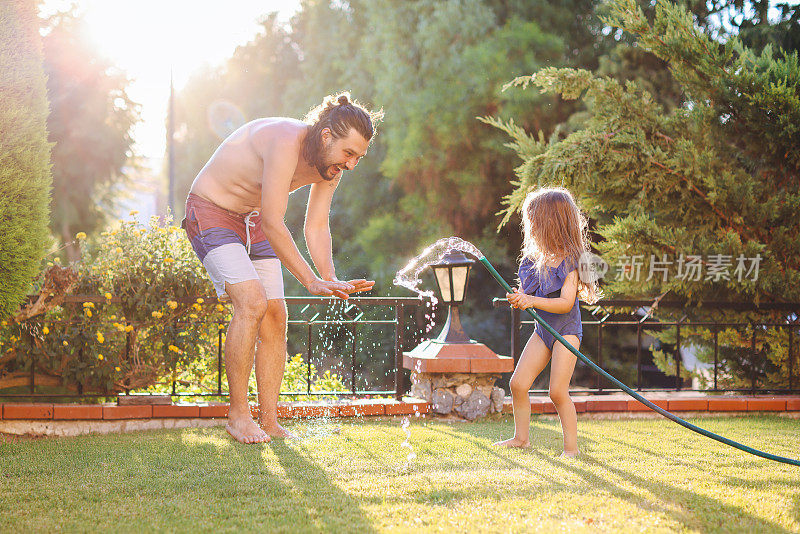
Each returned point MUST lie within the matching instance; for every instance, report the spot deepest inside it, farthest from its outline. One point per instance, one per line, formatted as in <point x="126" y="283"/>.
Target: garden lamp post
<point x="453" y="372"/>
<point x="452" y="276"/>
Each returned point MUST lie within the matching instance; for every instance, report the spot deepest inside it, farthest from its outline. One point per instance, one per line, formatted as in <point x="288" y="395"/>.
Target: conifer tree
<point x="717" y="177"/>
<point x="24" y="152"/>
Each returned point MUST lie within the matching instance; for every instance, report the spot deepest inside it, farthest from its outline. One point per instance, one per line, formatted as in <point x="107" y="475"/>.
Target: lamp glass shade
<point x="459" y="282"/>
<point x="443" y="279"/>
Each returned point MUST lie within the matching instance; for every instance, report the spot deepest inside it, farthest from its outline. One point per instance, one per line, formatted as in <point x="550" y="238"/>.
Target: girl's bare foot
<point x="570" y="454"/>
<point x="245" y="430"/>
<point x="513" y="442"/>
<point x="277" y="431"/>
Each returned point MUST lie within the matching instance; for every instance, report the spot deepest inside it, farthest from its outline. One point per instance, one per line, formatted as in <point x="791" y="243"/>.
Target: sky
<point x="149" y="38"/>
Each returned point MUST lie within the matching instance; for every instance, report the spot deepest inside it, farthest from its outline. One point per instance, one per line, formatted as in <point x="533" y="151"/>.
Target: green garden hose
<point x="628" y="390"/>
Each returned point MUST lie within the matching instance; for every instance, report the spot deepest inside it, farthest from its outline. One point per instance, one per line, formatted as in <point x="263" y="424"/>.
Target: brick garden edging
<point x="621" y="403"/>
<point x="61" y="419"/>
<point x="596" y="403"/>
<point x="89" y="412"/>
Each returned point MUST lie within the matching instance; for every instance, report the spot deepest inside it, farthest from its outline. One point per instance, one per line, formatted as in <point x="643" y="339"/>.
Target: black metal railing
<point x="404" y="316"/>
<point x="606" y="312"/>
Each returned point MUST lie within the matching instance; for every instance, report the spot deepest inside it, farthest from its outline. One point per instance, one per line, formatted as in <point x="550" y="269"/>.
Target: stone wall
<point x="468" y="395"/>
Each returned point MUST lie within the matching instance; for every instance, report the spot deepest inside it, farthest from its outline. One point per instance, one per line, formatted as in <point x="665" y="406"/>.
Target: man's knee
<point x="275" y="316"/>
<point x="252" y="308"/>
<point x="249" y="300"/>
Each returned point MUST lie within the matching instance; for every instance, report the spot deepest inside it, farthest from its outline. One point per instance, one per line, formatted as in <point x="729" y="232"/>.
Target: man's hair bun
<point x="343" y="100"/>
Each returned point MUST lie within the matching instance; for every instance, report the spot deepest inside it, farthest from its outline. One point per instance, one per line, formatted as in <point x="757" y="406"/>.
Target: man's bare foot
<point x="245" y="430"/>
<point x="570" y="454"/>
<point x="513" y="442"/>
<point x="277" y="431"/>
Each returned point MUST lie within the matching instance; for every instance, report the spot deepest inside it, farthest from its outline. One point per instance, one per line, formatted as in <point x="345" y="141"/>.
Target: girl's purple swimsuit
<point x="550" y="287"/>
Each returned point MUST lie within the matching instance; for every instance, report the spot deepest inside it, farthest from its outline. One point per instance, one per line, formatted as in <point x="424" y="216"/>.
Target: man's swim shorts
<point x="232" y="246"/>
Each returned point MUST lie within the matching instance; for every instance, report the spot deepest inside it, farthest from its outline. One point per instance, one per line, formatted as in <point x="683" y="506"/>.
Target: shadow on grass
<point x="332" y="509"/>
<point x="270" y="487"/>
<point x="690" y="509"/>
<point x="645" y="451"/>
<point x="796" y="508"/>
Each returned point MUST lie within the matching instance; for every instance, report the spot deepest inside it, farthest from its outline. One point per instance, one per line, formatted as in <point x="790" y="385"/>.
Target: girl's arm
<point x="562" y="304"/>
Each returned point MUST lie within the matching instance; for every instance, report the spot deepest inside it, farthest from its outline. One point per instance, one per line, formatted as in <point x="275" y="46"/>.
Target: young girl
<point x="554" y="233"/>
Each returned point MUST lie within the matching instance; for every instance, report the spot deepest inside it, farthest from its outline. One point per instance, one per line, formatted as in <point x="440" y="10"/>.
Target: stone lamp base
<point x="468" y="395"/>
<point x="457" y="377"/>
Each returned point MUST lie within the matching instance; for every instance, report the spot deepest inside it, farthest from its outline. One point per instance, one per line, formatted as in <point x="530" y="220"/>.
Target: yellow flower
<point x="119" y="327"/>
<point x="117" y="369"/>
<point x="173" y="348"/>
<point x="88" y="312"/>
<point x="169" y="260"/>
<point x="193" y="315"/>
<point x="129" y="328"/>
<point x="200" y="301"/>
<point x="4" y="323"/>
<point x="197" y="307"/>
<point x="220" y="307"/>
<point x="133" y="212"/>
<point x="45" y="330"/>
<point x="172" y="304"/>
<point x="157" y="314"/>
<point x="57" y="260"/>
<point x="88" y="304"/>
<point x="100" y="337"/>
<point x="80" y="235"/>
<point x="49" y="263"/>
<point x="108" y="295"/>
<point x="64" y="343"/>
<point x="113" y="317"/>
<point x="119" y="250"/>
<point x="100" y="357"/>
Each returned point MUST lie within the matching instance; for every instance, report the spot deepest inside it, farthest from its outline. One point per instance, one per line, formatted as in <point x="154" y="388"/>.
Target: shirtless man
<point x="235" y="221"/>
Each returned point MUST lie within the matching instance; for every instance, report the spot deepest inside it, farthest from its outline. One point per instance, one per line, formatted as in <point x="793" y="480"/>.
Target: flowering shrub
<point x="141" y="325"/>
<point x="295" y="379"/>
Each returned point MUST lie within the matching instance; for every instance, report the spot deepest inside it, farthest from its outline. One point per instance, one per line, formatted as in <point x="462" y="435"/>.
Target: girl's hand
<point x="520" y="300"/>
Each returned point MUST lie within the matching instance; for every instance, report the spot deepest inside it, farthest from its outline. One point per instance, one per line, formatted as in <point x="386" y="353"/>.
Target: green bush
<point x="24" y="153"/>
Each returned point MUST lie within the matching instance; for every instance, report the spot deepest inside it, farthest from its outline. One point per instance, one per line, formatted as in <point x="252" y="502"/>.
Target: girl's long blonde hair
<point x="554" y="227"/>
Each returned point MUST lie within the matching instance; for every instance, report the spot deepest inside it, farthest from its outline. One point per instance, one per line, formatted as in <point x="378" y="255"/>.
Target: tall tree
<point x="435" y="77"/>
<point x="90" y="125"/>
<point x="24" y="152"/>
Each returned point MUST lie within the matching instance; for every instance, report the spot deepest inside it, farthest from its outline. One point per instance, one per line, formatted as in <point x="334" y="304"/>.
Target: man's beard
<point x="323" y="162"/>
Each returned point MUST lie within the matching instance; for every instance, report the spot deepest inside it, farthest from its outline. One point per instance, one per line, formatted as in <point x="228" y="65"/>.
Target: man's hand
<point x="327" y="288"/>
<point x="361" y="285"/>
<point x="520" y="300"/>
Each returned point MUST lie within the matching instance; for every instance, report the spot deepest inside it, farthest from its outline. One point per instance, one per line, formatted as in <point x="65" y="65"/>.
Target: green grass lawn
<point x="635" y="475"/>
